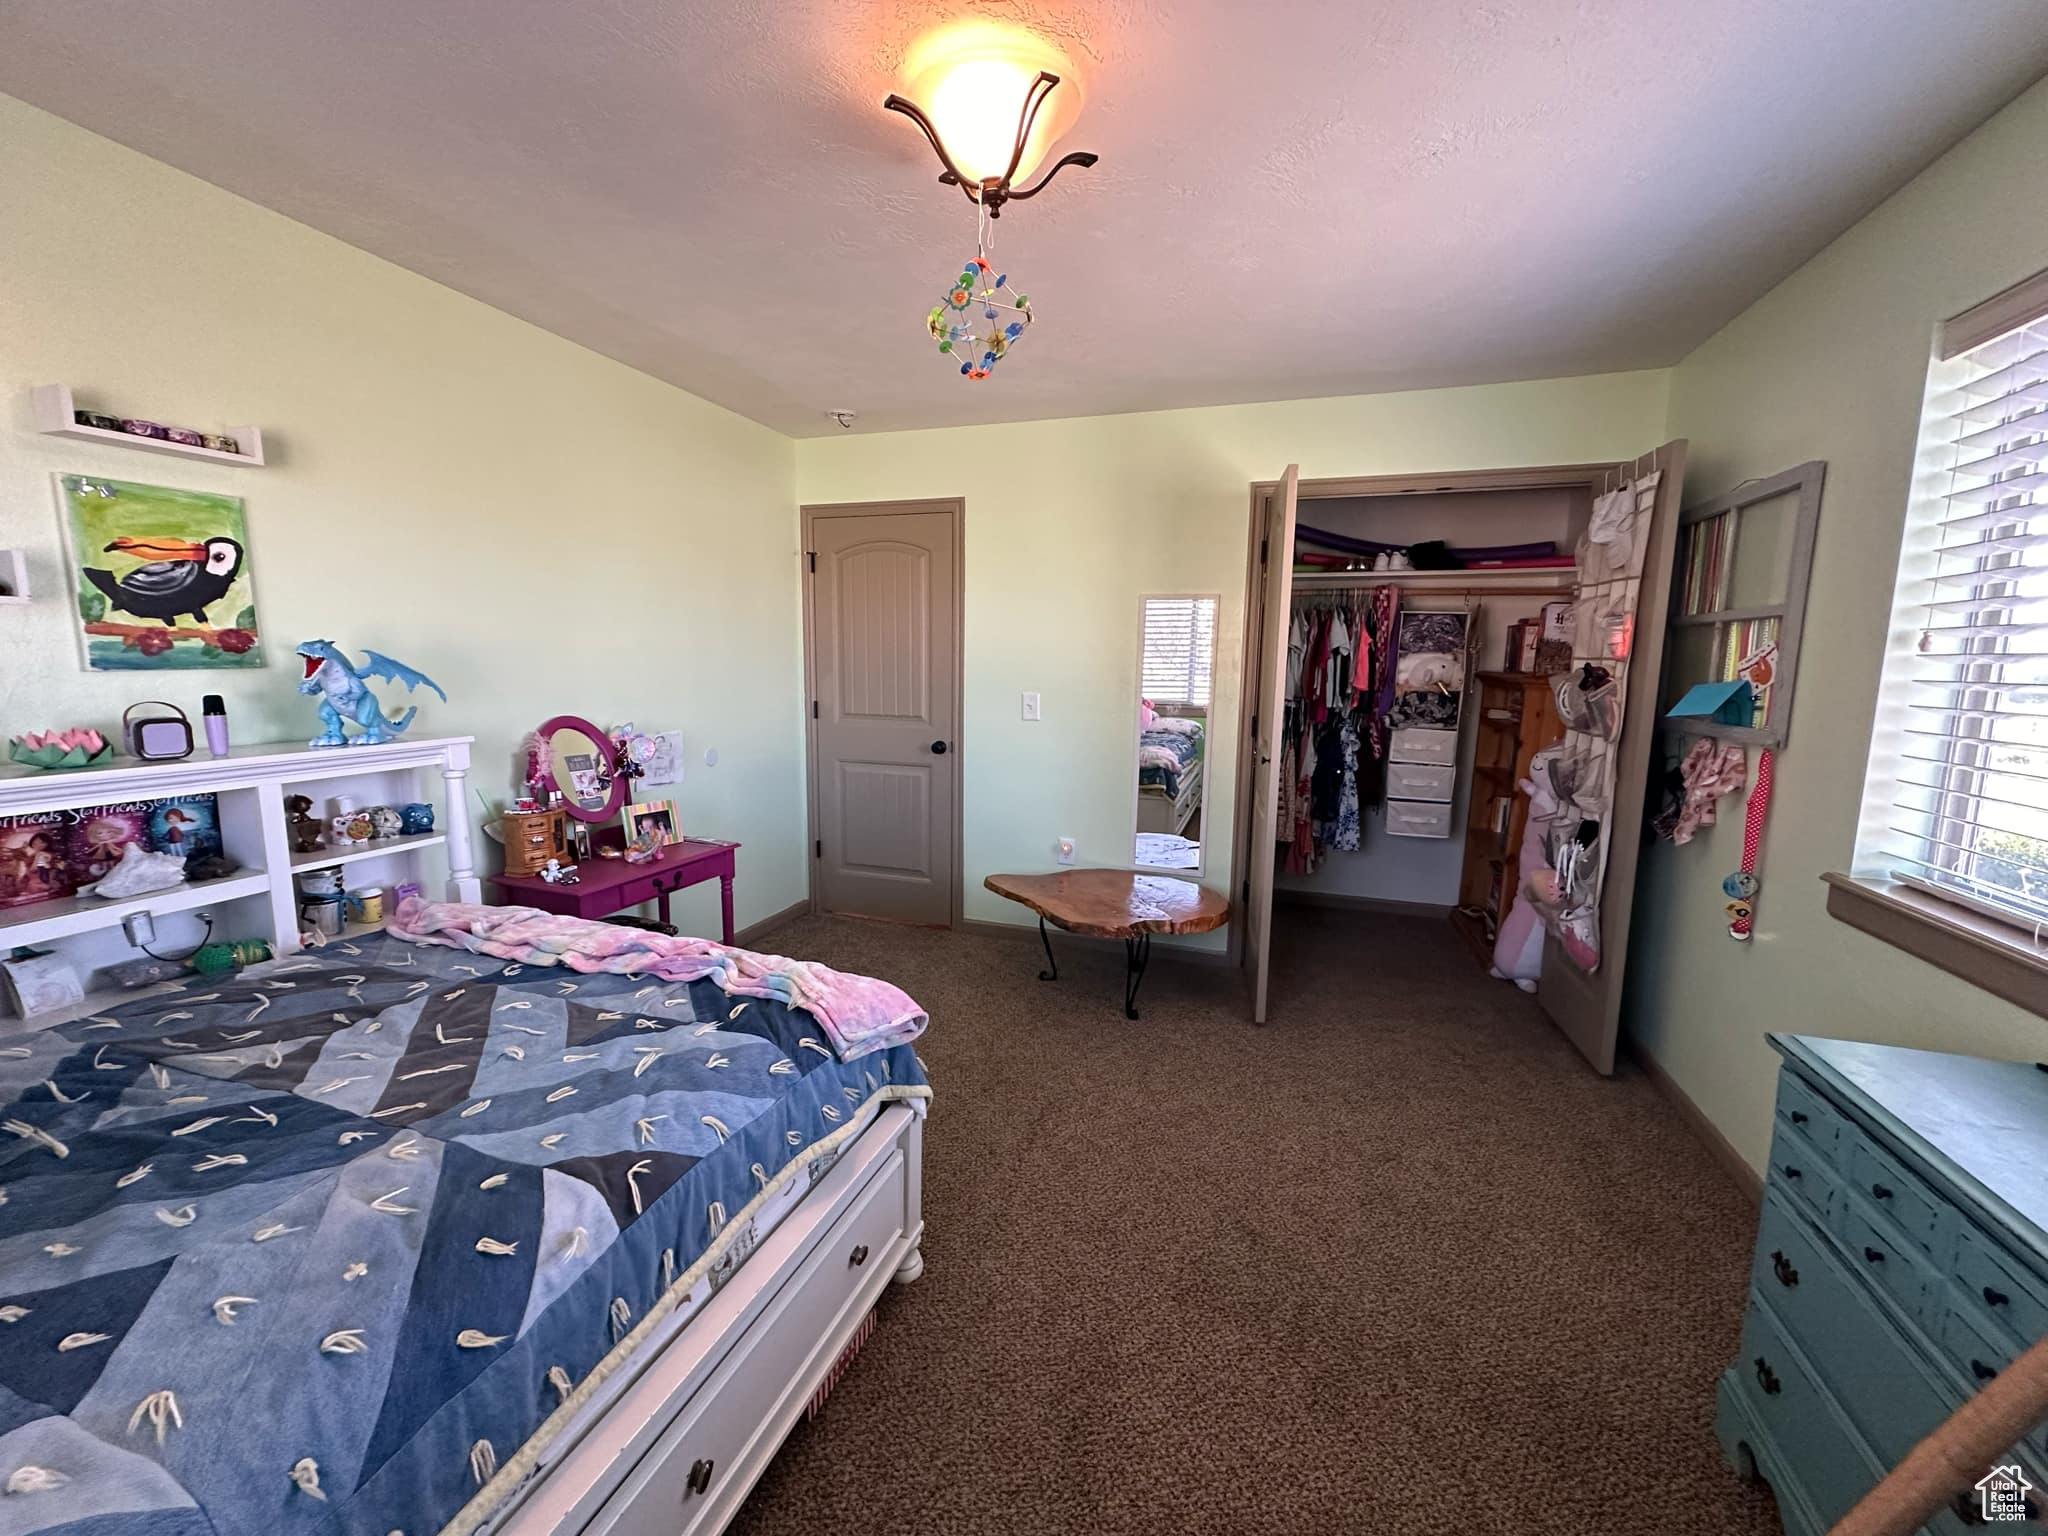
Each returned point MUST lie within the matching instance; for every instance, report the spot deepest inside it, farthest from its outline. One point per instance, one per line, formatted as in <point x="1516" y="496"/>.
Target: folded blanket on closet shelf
<point x="859" y="1013"/>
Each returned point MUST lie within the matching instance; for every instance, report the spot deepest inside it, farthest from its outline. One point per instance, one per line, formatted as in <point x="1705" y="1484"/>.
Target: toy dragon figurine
<point x="345" y="697"/>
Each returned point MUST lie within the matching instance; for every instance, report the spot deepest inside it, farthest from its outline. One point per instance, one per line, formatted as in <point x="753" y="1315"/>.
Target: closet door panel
<point x="1265" y="745"/>
<point x="1587" y="1005"/>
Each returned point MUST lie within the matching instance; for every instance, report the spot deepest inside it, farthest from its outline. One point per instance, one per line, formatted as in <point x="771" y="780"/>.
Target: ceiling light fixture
<point x="986" y="89"/>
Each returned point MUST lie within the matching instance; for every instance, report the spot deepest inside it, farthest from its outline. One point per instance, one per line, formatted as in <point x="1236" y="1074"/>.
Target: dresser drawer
<point x="2009" y="1296"/>
<point x="1892" y="1190"/>
<point x="1421" y="781"/>
<point x="1422" y="744"/>
<point x="1799" y="1169"/>
<point x="1805" y="1427"/>
<point x="1808" y="1113"/>
<point x="695" y="1475"/>
<point x="1881" y="1385"/>
<point x="1890" y="1263"/>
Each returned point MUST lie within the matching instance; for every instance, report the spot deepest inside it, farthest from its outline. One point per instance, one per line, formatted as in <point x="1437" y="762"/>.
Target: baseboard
<point x="744" y="938"/>
<point x="1164" y="949"/>
<point x="1295" y="896"/>
<point x="1732" y="1162"/>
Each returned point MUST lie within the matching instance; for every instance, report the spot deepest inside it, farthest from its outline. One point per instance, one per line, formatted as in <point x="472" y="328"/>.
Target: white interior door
<point x="1276" y="552"/>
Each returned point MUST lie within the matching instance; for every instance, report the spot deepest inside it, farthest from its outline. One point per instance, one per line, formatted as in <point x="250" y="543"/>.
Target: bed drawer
<point x="1423" y="744"/>
<point x="703" y="1465"/>
<point x="1418" y="818"/>
<point x="1421" y="781"/>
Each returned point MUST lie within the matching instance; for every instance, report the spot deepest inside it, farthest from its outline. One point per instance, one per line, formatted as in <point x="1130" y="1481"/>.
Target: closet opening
<point x="1408" y="634"/>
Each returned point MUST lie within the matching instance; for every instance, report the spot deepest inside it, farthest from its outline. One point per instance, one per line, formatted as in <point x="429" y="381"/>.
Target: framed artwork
<point x="655" y="816"/>
<point x="162" y="577"/>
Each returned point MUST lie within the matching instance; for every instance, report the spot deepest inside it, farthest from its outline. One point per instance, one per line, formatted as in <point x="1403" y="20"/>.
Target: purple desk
<point x="612" y="885"/>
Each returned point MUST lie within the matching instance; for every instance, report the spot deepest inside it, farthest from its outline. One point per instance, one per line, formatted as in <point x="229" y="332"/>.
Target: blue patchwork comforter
<point x="317" y="1248"/>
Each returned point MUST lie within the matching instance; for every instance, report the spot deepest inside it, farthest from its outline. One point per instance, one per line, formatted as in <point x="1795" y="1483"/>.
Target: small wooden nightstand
<point x="1517" y="719"/>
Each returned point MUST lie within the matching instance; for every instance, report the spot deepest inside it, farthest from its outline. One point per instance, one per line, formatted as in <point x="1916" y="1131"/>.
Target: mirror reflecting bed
<point x="1177" y="653"/>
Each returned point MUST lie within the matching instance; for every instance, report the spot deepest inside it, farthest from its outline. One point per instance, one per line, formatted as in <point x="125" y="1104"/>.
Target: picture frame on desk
<point x="657" y="816"/>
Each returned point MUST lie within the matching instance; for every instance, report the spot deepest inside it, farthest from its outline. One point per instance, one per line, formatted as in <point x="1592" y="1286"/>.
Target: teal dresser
<point x="1900" y="1261"/>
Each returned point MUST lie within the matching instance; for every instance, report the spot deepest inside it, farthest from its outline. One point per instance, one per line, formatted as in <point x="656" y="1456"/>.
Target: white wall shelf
<point x="56" y="413"/>
<point x="13" y="578"/>
<point x="1504" y="579"/>
<point x="377" y="848"/>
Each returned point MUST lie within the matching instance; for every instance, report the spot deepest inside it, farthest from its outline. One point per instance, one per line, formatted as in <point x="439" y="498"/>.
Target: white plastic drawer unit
<point x="1423" y="744"/>
<point x="1418" y="818"/>
<point x="1421" y="781"/>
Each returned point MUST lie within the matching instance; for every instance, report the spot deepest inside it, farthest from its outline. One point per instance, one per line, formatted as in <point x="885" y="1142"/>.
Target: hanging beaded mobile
<point x="1003" y="311"/>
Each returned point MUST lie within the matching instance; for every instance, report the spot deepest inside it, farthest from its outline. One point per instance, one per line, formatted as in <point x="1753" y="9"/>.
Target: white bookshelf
<point x="258" y="899"/>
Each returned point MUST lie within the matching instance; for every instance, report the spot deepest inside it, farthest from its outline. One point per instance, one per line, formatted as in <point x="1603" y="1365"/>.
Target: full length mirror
<point x="1176" y="660"/>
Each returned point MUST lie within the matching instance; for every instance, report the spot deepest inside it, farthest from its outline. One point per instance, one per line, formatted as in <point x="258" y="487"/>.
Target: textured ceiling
<point x="1306" y="197"/>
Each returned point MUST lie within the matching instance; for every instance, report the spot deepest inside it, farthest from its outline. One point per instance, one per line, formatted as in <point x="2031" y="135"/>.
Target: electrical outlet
<point x="1065" y="849"/>
<point x="140" y="928"/>
<point x="1031" y="706"/>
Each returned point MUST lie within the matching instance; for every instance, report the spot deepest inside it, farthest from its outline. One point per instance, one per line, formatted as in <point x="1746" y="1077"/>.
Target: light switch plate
<point x="1065" y="849"/>
<point x="1031" y="706"/>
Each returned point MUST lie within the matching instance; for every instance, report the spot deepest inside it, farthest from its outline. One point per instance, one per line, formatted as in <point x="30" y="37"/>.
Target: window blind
<point x="1969" y="806"/>
<point x="1180" y="642"/>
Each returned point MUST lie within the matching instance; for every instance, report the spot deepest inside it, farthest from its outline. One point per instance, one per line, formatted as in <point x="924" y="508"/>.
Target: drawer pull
<point x="1874" y="1255"/>
<point x="1881" y="1191"/>
<point x="1799" y="1117"/>
<point x="859" y="1256"/>
<point x="1791" y="1172"/>
<point x="1967" y="1512"/>
<point x="1994" y="1297"/>
<point x="1767" y="1378"/>
<point x="1982" y="1371"/>
<point x="1782" y="1268"/>
<point x="700" y="1476"/>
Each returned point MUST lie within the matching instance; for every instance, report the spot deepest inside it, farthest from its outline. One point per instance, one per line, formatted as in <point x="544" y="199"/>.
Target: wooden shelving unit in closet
<point x="1517" y="719"/>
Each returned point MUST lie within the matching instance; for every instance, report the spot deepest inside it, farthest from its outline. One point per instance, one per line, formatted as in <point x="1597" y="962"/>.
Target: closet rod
<point x="1474" y="583"/>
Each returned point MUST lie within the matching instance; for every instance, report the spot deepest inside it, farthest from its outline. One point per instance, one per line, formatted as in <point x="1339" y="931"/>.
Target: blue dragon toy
<point x="345" y="697"/>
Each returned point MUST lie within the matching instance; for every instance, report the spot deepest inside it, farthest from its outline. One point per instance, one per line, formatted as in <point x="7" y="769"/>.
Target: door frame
<point x="1593" y="478"/>
<point x="807" y="519"/>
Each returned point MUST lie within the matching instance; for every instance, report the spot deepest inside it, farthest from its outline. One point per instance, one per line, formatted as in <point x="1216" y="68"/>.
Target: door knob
<point x="939" y="747"/>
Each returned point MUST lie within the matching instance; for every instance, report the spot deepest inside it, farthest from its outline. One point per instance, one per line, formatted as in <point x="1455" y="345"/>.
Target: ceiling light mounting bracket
<point x="991" y="192"/>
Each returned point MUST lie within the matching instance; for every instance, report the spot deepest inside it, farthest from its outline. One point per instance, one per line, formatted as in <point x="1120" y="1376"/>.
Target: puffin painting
<point x="181" y="577"/>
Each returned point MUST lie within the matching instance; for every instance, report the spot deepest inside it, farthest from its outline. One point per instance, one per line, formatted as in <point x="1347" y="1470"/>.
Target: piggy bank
<point x="416" y="818"/>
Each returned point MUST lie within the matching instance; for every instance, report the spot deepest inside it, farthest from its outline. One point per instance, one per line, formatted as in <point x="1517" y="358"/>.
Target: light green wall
<point x="1831" y="365"/>
<point x="1069" y="521"/>
<point x="539" y="528"/>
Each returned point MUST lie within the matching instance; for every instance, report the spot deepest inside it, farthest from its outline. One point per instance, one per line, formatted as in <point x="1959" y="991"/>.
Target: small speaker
<point x="156" y="738"/>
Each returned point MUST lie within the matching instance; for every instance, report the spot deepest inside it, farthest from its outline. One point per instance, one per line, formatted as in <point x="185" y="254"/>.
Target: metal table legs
<point x="1137" y="955"/>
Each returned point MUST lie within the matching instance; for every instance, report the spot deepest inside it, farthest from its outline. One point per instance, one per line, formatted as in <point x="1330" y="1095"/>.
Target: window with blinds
<point x="1180" y="644"/>
<point x="1967" y="812"/>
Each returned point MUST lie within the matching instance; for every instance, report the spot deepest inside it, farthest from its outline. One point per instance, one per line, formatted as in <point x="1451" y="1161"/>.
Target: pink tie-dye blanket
<point x="859" y="1014"/>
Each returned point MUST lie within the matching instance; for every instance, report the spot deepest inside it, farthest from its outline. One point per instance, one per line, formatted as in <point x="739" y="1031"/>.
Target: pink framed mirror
<point x="579" y="761"/>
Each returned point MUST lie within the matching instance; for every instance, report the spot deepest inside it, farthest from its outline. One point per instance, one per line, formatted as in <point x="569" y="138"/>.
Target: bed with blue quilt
<point x="317" y="1247"/>
<point x="1169" y="774"/>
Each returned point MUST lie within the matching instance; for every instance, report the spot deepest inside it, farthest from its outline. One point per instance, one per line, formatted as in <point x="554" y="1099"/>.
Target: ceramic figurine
<point x="300" y="828"/>
<point x="345" y="697"/>
<point x="384" y="821"/>
<point x="416" y="818"/>
<point x="557" y="873"/>
<point x="338" y="835"/>
<point x="360" y="827"/>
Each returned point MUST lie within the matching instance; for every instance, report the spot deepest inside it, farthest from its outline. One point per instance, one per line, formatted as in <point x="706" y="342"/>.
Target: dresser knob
<point x="1880" y="1191"/>
<point x="1874" y="1255"/>
<point x="700" y="1476"/>
<point x="1791" y="1172"/>
<point x="1799" y="1117"/>
<point x="1967" y="1512"/>
<point x="1767" y="1378"/>
<point x="859" y="1256"/>
<point x="1995" y="1298"/>
<point x="1982" y="1371"/>
<point x="1782" y="1268"/>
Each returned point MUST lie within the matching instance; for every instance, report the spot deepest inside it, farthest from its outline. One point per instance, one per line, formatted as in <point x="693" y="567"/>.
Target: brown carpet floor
<point x="1396" y="1262"/>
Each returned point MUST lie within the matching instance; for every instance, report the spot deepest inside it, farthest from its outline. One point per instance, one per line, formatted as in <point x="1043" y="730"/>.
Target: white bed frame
<point x="684" y="1441"/>
<point x="700" y="1409"/>
<point x="1160" y="812"/>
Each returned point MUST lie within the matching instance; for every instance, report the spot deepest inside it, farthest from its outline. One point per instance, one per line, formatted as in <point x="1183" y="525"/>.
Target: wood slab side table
<point x="1113" y="904"/>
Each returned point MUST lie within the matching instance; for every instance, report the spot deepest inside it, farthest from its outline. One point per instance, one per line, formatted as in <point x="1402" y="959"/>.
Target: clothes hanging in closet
<point x="1340" y="667"/>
